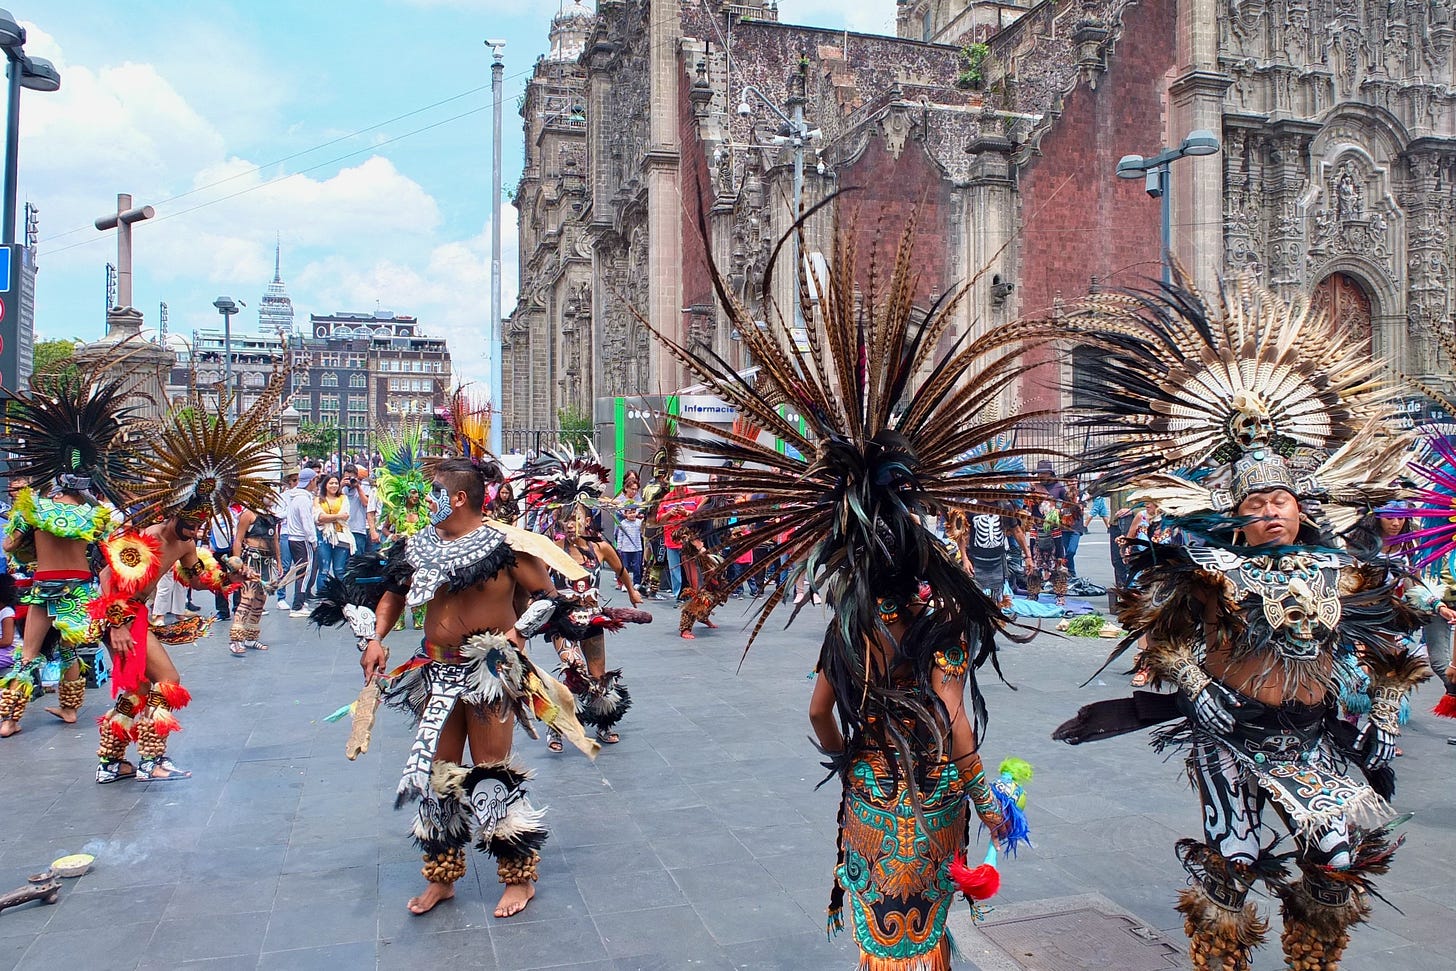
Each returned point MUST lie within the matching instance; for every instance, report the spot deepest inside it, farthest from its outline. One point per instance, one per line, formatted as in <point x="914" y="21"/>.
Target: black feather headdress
<point x="562" y="478"/>
<point x="891" y="432"/>
<point x="78" y="427"/>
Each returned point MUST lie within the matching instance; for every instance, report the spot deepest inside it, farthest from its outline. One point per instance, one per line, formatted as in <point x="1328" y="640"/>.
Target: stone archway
<point x="1349" y="302"/>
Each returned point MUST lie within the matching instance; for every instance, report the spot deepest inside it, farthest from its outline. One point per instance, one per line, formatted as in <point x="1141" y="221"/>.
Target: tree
<point x="316" y="439"/>
<point x="576" y="427"/>
<point x="54" y="358"/>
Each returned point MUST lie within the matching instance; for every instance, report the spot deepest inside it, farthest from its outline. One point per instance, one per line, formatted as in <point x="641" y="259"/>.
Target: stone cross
<point x="121" y="221"/>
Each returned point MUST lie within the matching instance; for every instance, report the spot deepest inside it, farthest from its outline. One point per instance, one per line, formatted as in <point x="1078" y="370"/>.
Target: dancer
<point x="203" y="462"/>
<point x="705" y="585"/>
<point x="569" y="486"/>
<point x="896" y="705"/>
<point x="256" y="552"/>
<point x="67" y="436"/>
<point x="471" y="680"/>
<point x="1249" y="623"/>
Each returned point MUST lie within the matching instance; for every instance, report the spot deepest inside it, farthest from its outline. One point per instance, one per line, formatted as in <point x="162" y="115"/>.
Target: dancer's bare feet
<point x="67" y="715"/>
<point x="8" y="728"/>
<point x="515" y="899"/>
<point x="434" y="893"/>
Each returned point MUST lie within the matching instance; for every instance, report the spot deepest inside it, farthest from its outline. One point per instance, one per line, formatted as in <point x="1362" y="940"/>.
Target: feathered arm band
<point x="1393" y="675"/>
<point x="135" y="559"/>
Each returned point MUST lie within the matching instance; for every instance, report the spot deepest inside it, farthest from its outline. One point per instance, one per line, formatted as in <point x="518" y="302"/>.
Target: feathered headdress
<point x="875" y="423"/>
<point x="78" y="427"/>
<point x="404" y="469"/>
<point x="203" y="460"/>
<point x="1259" y="392"/>
<point x="562" y="478"/>
<point x="468" y="418"/>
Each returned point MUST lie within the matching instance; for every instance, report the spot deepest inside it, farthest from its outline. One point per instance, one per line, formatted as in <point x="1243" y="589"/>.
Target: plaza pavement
<point x="699" y="842"/>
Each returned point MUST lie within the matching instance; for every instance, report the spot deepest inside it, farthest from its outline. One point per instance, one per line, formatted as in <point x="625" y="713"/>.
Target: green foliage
<point x="1088" y="625"/>
<point x="973" y="59"/>
<point x="53" y="360"/>
<point x="315" y="439"/>
<point x="576" y="427"/>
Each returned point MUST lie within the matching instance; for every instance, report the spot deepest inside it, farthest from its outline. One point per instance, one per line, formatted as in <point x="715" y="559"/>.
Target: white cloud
<point x="866" y="16"/>
<point x="356" y="235"/>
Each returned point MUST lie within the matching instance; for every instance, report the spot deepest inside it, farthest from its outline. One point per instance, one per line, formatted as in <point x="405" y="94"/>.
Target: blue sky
<point x="217" y="114"/>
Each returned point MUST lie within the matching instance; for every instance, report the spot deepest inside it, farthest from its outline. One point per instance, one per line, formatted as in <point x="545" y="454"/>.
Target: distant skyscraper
<point x="275" y="310"/>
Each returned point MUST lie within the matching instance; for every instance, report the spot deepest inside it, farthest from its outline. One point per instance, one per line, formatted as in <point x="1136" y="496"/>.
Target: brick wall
<point x="888" y="189"/>
<point x="1079" y="219"/>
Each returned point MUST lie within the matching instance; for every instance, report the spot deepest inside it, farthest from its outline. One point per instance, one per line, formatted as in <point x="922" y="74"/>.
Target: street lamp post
<point x="497" y="89"/>
<point x="227" y="306"/>
<point x="796" y="133"/>
<point x="35" y="73"/>
<point x="1158" y="181"/>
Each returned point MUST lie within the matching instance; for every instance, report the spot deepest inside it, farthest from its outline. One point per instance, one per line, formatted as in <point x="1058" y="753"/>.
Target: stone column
<point x="664" y="191"/>
<point x="149" y="362"/>
<point x="990" y="205"/>
<point x="1428" y="215"/>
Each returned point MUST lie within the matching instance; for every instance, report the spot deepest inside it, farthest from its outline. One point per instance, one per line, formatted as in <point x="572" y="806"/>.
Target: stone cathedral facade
<point x="999" y="124"/>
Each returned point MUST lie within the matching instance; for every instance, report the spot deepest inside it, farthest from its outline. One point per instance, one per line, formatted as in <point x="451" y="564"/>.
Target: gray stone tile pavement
<point x="698" y="842"/>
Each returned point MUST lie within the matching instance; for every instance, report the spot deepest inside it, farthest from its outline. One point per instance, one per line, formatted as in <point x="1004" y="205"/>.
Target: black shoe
<point x="1451" y="741"/>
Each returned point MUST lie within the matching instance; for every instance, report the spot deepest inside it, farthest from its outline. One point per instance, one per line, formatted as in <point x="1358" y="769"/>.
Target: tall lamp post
<point x="796" y="133"/>
<point x="35" y="73"/>
<point x="497" y="86"/>
<point x="1158" y="181"/>
<point x="227" y="306"/>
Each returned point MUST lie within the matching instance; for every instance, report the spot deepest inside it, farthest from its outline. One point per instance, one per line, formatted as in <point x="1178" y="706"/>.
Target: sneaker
<point x="300" y="612"/>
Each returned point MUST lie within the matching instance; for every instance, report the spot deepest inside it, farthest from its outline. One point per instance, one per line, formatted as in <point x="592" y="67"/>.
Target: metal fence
<point x="529" y="441"/>
<point x="1055" y="439"/>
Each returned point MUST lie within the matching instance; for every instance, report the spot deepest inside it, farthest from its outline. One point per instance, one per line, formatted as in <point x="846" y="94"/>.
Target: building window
<point x="356" y="381"/>
<point x="328" y="379"/>
<point x="358" y="404"/>
<point x="928" y="27"/>
<point x="328" y="360"/>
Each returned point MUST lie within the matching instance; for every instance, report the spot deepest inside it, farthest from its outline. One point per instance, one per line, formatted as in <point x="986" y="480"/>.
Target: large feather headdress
<point x="78" y="427"/>
<point x="1252" y="392"/>
<point x="204" y="460"/>
<point x="403" y="470"/>
<point x="852" y="443"/>
<point x="562" y="478"/>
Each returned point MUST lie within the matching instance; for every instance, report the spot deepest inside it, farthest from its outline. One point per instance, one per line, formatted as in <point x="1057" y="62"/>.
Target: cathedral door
<point x="1347" y="302"/>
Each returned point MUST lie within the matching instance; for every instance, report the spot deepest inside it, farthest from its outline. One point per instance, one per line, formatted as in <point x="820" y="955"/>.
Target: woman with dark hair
<point x="331" y="513"/>
<point x="886" y="420"/>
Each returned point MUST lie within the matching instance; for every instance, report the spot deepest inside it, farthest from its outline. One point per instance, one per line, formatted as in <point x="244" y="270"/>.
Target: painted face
<point x="188" y="529"/>
<point x="439" y="504"/>
<point x="1278" y="517"/>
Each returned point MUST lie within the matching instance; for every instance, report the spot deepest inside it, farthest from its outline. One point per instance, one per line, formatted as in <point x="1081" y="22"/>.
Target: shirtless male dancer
<point x="474" y="586"/>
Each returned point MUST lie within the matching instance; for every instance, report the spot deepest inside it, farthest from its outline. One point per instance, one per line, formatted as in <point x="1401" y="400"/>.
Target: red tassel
<point x="173" y="694"/>
<point x="164" y="723"/>
<point x="1446" y="707"/>
<point x="982" y="883"/>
